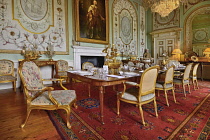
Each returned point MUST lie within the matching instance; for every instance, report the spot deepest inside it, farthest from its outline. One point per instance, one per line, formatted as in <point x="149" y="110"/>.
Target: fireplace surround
<point x="85" y="51"/>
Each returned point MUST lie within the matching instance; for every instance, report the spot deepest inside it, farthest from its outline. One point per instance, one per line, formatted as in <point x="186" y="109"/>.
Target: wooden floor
<point x="12" y="114"/>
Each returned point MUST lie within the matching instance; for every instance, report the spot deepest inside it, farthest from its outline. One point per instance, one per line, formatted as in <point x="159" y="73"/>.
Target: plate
<point x="131" y="73"/>
<point x="84" y="73"/>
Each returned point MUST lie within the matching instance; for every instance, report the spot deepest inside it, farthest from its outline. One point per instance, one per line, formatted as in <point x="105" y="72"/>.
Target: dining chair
<point x="185" y="79"/>
<point x="87" y="65"/>
<point x="8" y="72"/>
<point x="167" y="84"/>
<point x="61" y="69"/>
<point x="194" y="76"/>
<point x="39" y="96"/>
<point x="141" y="93"/>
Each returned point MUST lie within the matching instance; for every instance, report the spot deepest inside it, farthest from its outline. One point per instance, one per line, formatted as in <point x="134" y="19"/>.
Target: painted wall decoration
<point x="142" y="31"/>
<point x="188" y="32"/>
<point x="34" y="24"/>
<point x="170" y="21"/>
<point x="92" y="21"/>
<point x="190" y="4"/>
<point x="125" y="27"/>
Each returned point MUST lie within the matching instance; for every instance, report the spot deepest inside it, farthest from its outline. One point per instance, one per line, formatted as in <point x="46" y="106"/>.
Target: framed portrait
<point x="34" y="25"/>
<point x="92" y="21"/>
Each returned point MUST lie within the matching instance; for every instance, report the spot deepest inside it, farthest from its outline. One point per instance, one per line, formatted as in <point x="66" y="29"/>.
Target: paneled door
<point x="164" y="46"/>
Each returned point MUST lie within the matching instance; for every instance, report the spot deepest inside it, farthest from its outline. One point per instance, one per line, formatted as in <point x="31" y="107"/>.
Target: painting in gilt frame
<point x="92" y="21"/>
<point x="34" y="25"/>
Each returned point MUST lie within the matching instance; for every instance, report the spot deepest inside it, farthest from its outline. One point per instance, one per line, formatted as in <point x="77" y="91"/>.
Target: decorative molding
<point x="142" y="31"/>
<point x="125" y="27"/>
<point x="21" y="28"/>
<point x="85" y="51"/>
<point x="170" y="21"/>
<point x="190" y="4"/>
<point x="188" y="33"/>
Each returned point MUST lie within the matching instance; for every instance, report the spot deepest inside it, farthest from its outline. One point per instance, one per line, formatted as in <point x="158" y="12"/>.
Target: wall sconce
<point x="176" y="53"/>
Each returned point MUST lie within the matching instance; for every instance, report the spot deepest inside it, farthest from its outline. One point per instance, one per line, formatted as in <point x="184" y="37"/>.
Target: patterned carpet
<point x="188" y="119"/>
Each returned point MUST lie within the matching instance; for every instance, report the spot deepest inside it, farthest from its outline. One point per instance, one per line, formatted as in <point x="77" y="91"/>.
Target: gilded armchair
<point x="142" y="93"/>
<point x="40" y="97"/>
<point x="61" y="70"/>
<point x="8" y="72"/>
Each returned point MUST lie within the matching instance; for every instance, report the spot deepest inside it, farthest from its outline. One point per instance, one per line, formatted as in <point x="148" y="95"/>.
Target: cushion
<point x="63" y="97"/>
<point x="160" y="85"/>
<point x="7" y="78"/>
<point x="132" y="94"/>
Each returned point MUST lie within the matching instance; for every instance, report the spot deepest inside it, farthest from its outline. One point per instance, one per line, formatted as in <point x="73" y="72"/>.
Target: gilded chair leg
<point x="196" y="81"/>
<point x="142" y="115"/>
<point x="184" y="90"/>
<point x="193" y="82"/>
<point x="27" y="115"/>
<point x="166" y="97"/>
<point x="68" y="117"/>
<point x="189" y="88"/>
<point x="155" y="105"/>
<point x="174" y="95"/>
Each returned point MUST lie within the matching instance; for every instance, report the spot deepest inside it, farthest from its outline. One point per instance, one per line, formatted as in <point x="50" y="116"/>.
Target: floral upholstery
<point x="6" y="67"/>
<point x="40" y="97"/>
<point x="62" y="65"/>
<point x="7" y="72"/>
<point x="64" y="97"/>
<point x="61" y="69"/>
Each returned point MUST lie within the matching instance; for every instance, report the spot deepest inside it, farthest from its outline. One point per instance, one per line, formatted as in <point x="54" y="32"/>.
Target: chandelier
<point x="162" y="7"/>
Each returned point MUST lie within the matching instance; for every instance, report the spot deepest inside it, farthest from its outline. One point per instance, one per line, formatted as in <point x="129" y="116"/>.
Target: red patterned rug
<point x="188" y="119"/>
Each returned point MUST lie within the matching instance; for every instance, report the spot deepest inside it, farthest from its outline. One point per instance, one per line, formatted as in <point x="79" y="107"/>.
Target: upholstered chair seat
<point x="8" y="72"/>
<point x="185" y="79"/>
<point x="167" y="84"/>
<point x="61" y="70"/>
<point x="140" y="93"/>
<point x="162" y="85"/>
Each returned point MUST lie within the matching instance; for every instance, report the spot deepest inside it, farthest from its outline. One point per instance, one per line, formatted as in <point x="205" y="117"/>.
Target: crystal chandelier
<point x="162" y="7"/>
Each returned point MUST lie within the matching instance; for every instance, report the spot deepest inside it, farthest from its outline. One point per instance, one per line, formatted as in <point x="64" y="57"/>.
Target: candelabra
<point x="30" y="53"/>
<point x="111" y="60"/>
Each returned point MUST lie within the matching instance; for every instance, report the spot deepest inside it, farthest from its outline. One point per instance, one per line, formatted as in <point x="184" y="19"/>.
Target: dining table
<point x="101" y="81"/>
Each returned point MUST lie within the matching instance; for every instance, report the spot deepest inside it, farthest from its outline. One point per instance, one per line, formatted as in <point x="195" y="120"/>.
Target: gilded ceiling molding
<point x="170" y="21"/>
<point x="125" y="27"/>
<point x="188" y="34"/>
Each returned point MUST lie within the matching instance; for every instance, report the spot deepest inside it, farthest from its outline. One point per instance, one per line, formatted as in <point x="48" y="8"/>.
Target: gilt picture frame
<point x="91" y="18"/>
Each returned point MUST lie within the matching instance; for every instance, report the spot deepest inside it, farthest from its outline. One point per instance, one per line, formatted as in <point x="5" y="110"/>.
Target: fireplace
<point x="95" y="54"/>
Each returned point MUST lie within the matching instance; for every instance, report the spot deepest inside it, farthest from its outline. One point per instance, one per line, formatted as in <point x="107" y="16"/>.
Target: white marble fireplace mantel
<point x="85" y="51"/>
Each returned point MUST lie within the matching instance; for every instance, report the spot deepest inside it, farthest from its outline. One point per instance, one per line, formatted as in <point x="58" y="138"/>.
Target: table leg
<point x="101" y="96"/>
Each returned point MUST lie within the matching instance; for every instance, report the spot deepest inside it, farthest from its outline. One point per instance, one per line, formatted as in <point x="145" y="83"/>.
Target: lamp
<point x="163" y="7"/>
<point x="206" y="52"/>
<point x="177" y="53"/>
